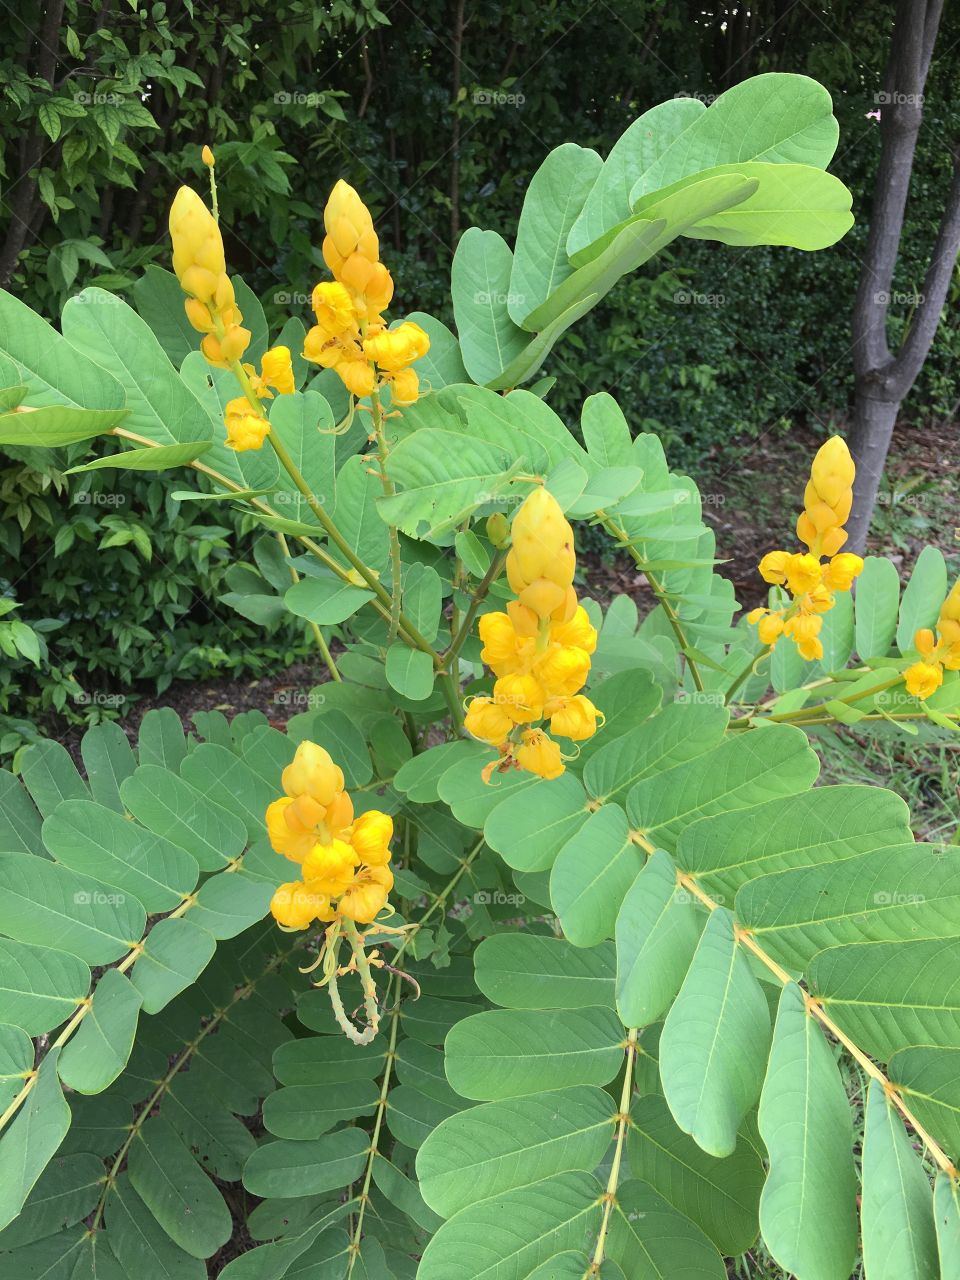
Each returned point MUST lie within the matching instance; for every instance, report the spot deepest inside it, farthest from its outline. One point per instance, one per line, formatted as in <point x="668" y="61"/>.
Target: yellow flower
<point x="288" y="834"/>
<point x="405" y="388"/>
<point x="839" y="573"/>
<point x="802" y="573"/>
<point x="540" y="754"/>
<point x="562" y="670"/>
<point x="502" y="647"/>
<point x="296" y="905"/>
<point x="773" y="567"/>
<point x="520" y="697"/>
<point x="804" y="629"/>
<point x="331" y="866"/>
<point x="206" y="155"/>
<point x="276" y="369"/>
<point x="247" y="432"/>
<point x="770" y="629"/>
<point x="312" y="773"/>
<point x="576" y="719"/>
<point x="394" y="349"/>
<point x="487" y="721"/>
<point x="366" y="895"/>
<point x="333" y="307"/>
<point x="371" y="836"/>
<point x="352" y="251"/>
<point x="578" y="633"/>
<point x="923" y="679"/>
<point x="357" y="375"/>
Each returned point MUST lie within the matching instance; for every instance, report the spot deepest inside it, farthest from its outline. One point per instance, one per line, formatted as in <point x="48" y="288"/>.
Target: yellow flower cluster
<point x="343" y="859"/>
<point x="350" y="335"/>
<point x="811" y="582"/>
<point x="247" y="429"/>
<point x="539" y="649"/>
<point x="200" y="266"/>
<point x="937" y="651"/>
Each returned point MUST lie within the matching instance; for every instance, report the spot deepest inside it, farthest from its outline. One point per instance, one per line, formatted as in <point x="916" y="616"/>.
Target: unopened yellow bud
<point x="832" y="472"/>
<point x="542" y="546"/>
<point x="195" y="235"/>
<point x="312" y="773"/>
<point x="206" y="155"/>
<point x="498" y="529"/>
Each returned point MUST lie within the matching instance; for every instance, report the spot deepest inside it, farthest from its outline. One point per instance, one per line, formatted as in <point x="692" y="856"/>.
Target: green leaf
<point x="946" y="1206"/>
<point x="174" y="954"/>
<point x="657" y="931"/>
<point x="54" y="371"/>
<point x="101" y="843"/>
<point x="32" y="1139"/>
<point x="510" y="1236"/>
<point x="222" y="1143"/>
<point x="99" y="1051"/>
<point x="505" y="1053"/>
<point x="723" y="1198"/>
<point x="442" y="478"/>
<point x="824" y="825"/>
<point x="51" y="776"/>
<point x="922" y="596"/>
<point x="776" y="118"/>
<point x="714" y="1042"/>
<point x="680" y="732"/>
<point x="56" y="425"/>
<point x="591" y="875"/>
<point x="742" y="771"/>
<point x="808" y="1207"/>
<point x="183" y="1199"/>
<point x="423" y="599"/>
<point x="108" y="758"/>
<point x="480" y="287"/>
<point x="163" y="457"/>
<point x="899" y="1235"/>
<point x="304" y="422"/>
<point x="39" y="987"/>
<point x="553" y="201"/>
<point x="311" y="1110"/>
<point x="16" y="1061"/>
<point x="876" y="607"/>
<point x="142" y="1246"/>
<point x="886" y="995"/>
<point x="66" y="1191"/>
<point x="161" y="740"/>
<point x="442" y="366"/>
<point x="42" y="902"/>
<point x="170" y="807"/>
<point x="161" y="406"/>
<point x="498" y="1146"/>
<point x="357" y="517"/>
<point x="159" y="299"/>
<point x="928" y="1077"/>
<point x="646" y="1228"/>
<point x="525" y="971"/>
<point x="634" y="152"/>
<point x="327" y="1060"/>
<point x="285" y="1168"/>
<point x="325" y="601"/>
<point x="409" y="671"/>
<point x="908" y="891"/>
<point x="529" y="827"/>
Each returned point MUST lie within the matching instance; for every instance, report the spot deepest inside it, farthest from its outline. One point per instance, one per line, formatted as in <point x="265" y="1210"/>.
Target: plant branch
<point x="613" y="1181"/>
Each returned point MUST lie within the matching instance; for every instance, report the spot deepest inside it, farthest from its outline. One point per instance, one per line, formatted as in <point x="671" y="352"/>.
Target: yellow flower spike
<point x="577" y="719"/>
<point x="488" y="721"/>
<point x="540" y="754"/>
<point x="923" y="679"/>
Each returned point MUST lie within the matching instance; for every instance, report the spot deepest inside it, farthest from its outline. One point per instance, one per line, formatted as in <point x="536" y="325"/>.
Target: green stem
<point x="389" y="489"/>
<point x="658" y="590"/>
<point x="613" y="1181"/>
<point x="744" y="675"/>
<point x="314" y="627"/>
<point x="801" y="715"/>
<point x="486" y="582"/>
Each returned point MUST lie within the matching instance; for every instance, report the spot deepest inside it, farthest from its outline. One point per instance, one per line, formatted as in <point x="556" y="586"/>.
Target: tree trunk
<point x="883" y="378"/>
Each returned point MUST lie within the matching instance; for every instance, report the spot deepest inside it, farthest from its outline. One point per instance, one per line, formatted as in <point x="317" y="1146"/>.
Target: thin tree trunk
<point x="458" y="24"/>
<point x="883" y="378"/>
